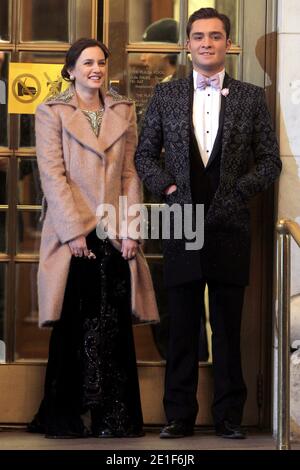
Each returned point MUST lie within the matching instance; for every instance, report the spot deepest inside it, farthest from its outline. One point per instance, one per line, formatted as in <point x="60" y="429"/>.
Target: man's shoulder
<point x="170" y="86"/>
<point x="247" y="88"/>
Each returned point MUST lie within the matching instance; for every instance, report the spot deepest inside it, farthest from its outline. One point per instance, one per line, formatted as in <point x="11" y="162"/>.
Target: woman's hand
<point x="129" y="248"/>
<point x="79" y="248"/>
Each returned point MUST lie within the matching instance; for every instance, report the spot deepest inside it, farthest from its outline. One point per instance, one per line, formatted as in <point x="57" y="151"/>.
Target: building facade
<point x="143" y="53"/>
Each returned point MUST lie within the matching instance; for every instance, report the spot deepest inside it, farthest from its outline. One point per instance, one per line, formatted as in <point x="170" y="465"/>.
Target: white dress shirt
<point x="206" y="110"/>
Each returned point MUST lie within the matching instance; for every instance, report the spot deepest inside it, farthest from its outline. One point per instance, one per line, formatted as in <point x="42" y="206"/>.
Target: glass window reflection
<point x="151" y="341"/>
<point x="100" y="16"/>
<point x="232" y="65"/>
<point x="45" y="21"/>
<point x="29" y="187"/>
<point x="4" y="21"/>
<point x="83" y="18"/>
<point x="2" y="301"/>
<point x="152" y="21"/>
<point x="27" y="130"/>
<point x="4" y="60"/>
<point x="3" y="231"/>
<point x="29" y="231"/>
<point x="31" y="341"/>
<point x="55" y="20"/>
<point x="145" y="70"/>
<point x="3" y="179"/>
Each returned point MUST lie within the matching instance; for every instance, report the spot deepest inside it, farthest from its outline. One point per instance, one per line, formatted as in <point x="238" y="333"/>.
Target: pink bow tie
<point x="203" y="82"/>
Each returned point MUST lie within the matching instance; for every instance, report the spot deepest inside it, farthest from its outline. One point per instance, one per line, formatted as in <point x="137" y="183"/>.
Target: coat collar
<point x="232" y="101"/>
<point x="113" y="123"/>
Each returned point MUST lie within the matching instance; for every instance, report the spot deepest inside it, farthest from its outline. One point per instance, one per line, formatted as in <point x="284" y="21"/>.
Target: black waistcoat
<point x="205" y="180"/>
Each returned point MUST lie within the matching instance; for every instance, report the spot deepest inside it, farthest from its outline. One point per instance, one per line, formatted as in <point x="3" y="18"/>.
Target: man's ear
<point x="188" y="45"/>
<point x="228" y="44"/>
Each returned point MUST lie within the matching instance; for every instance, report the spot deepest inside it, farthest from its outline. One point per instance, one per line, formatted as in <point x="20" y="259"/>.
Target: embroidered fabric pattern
<point x="65" y="97"/>
<point x="104" y="381"/>
<point x="95" y="119"/>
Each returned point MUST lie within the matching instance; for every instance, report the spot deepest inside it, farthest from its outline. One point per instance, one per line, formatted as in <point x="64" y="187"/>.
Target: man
<point x="220" y="150"/>
<point x="163" y="66"/>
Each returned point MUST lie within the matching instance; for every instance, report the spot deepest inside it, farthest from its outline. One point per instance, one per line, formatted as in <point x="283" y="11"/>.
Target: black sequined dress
<point x="92" y="363"/>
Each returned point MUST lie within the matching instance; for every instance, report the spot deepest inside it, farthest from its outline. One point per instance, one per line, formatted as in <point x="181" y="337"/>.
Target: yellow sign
<point x="31" y="84"/>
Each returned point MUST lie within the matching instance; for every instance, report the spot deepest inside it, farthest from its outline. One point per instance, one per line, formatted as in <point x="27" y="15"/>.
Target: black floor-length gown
<point x="92" y="363"/>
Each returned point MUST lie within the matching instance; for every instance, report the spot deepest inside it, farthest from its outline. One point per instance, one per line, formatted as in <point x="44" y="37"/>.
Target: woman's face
<point x="89" y="70"/>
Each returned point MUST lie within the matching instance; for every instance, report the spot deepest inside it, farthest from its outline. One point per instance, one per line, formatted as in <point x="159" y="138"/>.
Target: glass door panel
<point x="5" y="35"/>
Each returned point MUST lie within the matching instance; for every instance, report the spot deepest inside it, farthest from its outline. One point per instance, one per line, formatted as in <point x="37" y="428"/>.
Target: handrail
<point x="285" y="230"/>
<point x="291" y="228"/>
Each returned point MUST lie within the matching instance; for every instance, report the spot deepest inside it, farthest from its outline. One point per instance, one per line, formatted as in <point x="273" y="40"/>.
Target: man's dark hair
<point x="75" y="51"/>
<point x="205" y="14"/>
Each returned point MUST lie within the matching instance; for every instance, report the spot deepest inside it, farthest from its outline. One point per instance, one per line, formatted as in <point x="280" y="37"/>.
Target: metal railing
<point x="285" y="230"/>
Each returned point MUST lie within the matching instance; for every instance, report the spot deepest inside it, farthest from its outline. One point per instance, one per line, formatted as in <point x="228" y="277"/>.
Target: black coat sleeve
<point x="267" y="163"/>
<point x="149" y="149"/>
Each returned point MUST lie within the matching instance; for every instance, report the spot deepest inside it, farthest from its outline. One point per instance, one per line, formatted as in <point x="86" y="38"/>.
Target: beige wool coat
<point x="78" y="172"/>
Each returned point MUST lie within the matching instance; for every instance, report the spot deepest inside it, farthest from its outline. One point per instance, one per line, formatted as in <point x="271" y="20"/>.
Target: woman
<point x="88" y="287"/>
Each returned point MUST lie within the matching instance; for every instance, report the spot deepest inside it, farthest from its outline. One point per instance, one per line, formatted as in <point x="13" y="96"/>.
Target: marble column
<point x="288" y="102"/>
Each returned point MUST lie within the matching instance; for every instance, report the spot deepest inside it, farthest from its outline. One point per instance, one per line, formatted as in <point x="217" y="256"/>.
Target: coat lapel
<point x="231" y="104"/>
<point x="183" y="115"/>
<point x="113" y="125"/>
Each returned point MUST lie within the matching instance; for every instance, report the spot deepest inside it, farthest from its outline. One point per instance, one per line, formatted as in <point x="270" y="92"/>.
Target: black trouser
<point x="225" y="306"/>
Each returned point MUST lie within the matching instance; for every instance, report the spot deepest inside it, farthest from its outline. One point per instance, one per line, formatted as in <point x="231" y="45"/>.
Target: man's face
<point x="208" y="45"/>
<point x="153" y="61"/>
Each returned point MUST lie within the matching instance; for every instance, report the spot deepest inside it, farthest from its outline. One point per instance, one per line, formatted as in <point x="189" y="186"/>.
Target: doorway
<point x="147" y="42"/>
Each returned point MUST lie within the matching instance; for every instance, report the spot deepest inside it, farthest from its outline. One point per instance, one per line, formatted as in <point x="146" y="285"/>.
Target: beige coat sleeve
<point x="49" y="149"/>
<point x="131" y="183"/>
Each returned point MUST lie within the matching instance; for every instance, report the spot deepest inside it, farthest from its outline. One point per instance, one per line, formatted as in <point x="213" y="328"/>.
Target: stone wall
<point x="288" y="101"/>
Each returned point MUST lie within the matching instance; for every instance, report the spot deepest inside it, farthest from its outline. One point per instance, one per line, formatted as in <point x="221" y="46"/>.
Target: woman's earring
<point x="72" y="77"/>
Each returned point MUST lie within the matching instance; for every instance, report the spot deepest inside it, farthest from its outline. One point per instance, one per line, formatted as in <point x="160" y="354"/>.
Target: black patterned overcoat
<point x="250" y="163"/>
